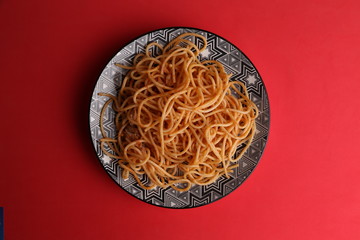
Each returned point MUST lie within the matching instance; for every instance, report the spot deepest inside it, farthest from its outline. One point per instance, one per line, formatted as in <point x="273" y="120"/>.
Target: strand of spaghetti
<point x="136" y="176"/>
<point x="102" y="113"/>
<point x="147" y="49"/>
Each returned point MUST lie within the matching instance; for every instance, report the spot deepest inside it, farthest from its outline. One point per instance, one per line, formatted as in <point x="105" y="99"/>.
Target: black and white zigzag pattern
<point x="235" y="62"/>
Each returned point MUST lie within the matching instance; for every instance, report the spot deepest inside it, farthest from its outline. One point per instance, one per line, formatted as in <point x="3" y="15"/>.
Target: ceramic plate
<point x="235" y="62"/>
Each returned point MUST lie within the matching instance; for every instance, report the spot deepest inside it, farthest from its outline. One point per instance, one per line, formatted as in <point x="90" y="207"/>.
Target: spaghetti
<point x="178" y="120"/>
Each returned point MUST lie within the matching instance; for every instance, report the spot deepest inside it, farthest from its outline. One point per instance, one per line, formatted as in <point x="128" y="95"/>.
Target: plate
<point x="235" y="62"/>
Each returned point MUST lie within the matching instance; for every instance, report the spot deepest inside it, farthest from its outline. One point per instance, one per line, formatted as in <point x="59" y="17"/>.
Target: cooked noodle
<point x="178" y="120"/>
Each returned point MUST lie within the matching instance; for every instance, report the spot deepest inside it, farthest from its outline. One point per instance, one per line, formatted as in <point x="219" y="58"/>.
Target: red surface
<point x="307" y="183"/>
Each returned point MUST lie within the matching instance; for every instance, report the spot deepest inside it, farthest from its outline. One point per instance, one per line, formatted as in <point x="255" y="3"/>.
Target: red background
<point x="307" y="183"/>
